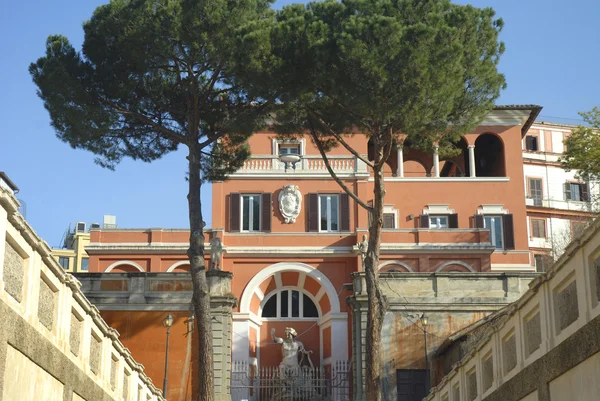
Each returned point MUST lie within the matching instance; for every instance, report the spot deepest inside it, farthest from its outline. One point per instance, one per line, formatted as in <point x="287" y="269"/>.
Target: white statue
<point x="290" y="349"/>
<point x="362" y="249"/>
<point x="216" y="250"/>
<point x="290" y="201"/>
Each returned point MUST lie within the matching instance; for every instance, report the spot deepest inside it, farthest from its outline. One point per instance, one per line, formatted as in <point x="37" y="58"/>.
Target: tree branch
<point x="332" y="173"/>
<point x="338" y="137"/>
<point x="172" y="135"/>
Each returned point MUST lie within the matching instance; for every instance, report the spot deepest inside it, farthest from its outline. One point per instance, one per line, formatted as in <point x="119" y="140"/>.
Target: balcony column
<point x="400" y="159"/>
<point x="472" y="160"/>
<point x="436" y="161"/>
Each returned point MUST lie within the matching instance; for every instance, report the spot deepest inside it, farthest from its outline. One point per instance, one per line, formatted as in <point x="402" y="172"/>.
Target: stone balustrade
<point x="54" y="345"/>
<point x="308" y="164"/>
<point x="543" y="346"/>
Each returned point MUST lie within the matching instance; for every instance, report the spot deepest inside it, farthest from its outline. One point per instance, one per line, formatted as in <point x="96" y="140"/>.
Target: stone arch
<point x="385" y="265"/>
<point x="455" y="262"/>
<point x="303" y="291"/>
<point x="176" y="265"/>
<point x="125" y="263"/>
<point x="286" y="274"/>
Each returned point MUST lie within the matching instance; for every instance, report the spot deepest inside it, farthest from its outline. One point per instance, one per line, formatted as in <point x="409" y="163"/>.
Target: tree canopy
<point x="152" y="75"/>
<point x="426" y="69"/>
<point x="422" y="70"/>
<point x="582" y="151"/>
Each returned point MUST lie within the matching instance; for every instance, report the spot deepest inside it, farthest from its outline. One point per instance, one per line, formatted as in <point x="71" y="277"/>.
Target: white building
<point x="559" y="204"/>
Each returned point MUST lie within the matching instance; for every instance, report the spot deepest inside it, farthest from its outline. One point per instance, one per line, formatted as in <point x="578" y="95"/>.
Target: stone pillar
<point x="358" y="304"/>
<point x="436" y="161"/>
<point x="472" y="160"/>
<point x="400" y="159"/>
<point x="222" y="303"/>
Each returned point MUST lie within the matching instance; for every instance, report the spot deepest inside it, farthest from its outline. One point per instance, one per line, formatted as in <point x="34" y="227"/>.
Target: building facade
<point x="291" y="239"/>
<point x="559" y="204"/>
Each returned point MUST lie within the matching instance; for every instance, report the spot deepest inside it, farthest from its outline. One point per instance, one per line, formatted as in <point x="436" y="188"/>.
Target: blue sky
<point x="552" y="59"/>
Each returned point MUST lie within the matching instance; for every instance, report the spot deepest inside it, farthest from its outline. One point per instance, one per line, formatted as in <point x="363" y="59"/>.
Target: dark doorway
<point x="411" y="384"/>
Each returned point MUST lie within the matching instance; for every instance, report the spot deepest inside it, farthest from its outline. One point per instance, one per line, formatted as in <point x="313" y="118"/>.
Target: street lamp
<point x="167" y="322"/>
<point x="424" y="322"/>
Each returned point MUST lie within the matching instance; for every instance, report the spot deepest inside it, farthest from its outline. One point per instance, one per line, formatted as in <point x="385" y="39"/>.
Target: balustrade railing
<point x="307" y="164"/>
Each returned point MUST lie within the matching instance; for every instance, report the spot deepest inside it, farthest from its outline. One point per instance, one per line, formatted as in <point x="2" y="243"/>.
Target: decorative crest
<point x="290" y="201"/>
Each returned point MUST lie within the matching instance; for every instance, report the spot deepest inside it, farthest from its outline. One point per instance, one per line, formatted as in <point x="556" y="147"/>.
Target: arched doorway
<point x="489" y="156"/>
<point x="289" y="287"/>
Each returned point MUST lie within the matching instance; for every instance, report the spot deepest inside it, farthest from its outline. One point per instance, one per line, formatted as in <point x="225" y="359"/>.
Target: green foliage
<point x="583" y="147"/>
<point x="423" y="68"/>
<point x="153" y="74"/>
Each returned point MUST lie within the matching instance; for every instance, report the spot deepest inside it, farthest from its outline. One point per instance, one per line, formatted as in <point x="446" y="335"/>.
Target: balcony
<point x="571" y="205"/>
<point x="309" y="165"/>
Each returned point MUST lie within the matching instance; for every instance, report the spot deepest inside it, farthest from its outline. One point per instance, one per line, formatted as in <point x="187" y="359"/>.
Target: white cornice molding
<point x="506" y="117"/>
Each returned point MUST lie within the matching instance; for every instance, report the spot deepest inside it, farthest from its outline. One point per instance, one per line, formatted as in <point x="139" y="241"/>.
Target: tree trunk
<point x="201" y="296"/>
<point x="375" y="302"/>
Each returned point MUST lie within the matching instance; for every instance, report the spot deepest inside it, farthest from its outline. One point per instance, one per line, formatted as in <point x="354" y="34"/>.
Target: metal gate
<point x="274" y="383"/>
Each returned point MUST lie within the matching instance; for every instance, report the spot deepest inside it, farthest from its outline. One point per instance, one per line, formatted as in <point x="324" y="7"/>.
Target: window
<point x="576" y="191"/>
<point x="289" y="304"/>
<point x="85" y="263"/>
<point x="389" y="220"/>
<point x="250" y="212"/>
<point x="63" y="261"/>
<point x="538" y="228"/>
<point x="438" y="221"/>
<point x="494" y="223"/>
<point x="502" y="230"/>
<point x="289" y="149"/>
<point x="535" y="191"/>
<point x="531" y="143"/>
<point x="329" y="213"/>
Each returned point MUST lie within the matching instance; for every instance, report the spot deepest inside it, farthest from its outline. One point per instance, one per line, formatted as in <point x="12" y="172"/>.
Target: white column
<point x="339" y="333"/>
<point x="436" y="161"/>
<point x="472" y="160"/>
<point x="240" y="341"/>
<point x="400" y="161"/>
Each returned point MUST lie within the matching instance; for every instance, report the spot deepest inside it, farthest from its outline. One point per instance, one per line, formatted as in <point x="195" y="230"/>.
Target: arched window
<point x="290" y="304"/>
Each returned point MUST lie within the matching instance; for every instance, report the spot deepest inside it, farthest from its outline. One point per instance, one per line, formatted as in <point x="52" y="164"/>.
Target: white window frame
<point x="277" y="294"/>
<point x="301" y="143"/>
<point x="493" y="232"/>
<point x="329" y="196"/>
<point x="289" y="146"/>
<point x="438" y="217"/>
<point x="251" y="228"/>
<point x="88" y="264"/>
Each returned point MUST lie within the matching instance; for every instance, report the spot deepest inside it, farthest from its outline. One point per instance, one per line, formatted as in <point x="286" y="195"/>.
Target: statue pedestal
<point x="222" y="303"/>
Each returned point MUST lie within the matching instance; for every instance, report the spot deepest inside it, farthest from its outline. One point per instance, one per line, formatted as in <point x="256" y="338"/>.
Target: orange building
<point x="290" y="239"/>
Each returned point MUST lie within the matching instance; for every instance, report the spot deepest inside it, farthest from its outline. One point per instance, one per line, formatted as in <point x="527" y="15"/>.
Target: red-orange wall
<point x="143" y="334"/>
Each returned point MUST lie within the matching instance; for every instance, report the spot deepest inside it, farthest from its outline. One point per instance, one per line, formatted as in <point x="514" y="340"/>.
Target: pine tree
<point x="154" y="75"/>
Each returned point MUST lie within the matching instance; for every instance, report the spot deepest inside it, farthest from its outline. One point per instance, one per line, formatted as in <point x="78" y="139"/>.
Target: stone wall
<point x="53" y="343"/>
<point x="452" y="301"/>
<point x="546" y="345"/>
<point x="130" y="300"/>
